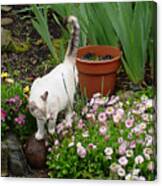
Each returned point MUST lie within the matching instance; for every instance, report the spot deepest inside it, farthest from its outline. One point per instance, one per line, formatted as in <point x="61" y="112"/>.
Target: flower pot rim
<point x="99" y="62"/>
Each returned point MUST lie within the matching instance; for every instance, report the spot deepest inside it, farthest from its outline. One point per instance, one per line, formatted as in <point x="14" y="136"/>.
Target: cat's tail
<point x="74" y="40"/>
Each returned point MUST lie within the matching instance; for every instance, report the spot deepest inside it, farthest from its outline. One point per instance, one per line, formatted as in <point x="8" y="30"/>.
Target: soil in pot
<point x="93" y="57"/>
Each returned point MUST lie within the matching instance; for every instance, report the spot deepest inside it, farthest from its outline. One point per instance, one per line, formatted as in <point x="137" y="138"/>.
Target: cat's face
<point x="39" y="113"/>
<point x="36" y="111"/>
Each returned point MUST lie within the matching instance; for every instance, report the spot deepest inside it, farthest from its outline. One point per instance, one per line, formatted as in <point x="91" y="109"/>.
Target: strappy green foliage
<point x="41" y="25"/>
<point x="96" y="28"/>
<point x="132" y="26"/>
<point x="129" y="24"/>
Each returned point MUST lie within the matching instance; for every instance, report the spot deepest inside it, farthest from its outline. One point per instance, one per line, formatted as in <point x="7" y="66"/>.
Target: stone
<point x="4" y="159"/>
<point x="17" y="163"/>
<point x="6" y="21"/>
<point x="6" y="8"/>
<point x="35" y="152"/>
<point x="5" y="37"/>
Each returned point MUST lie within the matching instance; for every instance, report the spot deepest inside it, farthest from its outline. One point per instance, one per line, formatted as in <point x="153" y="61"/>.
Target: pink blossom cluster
<point x="133" y="130"/>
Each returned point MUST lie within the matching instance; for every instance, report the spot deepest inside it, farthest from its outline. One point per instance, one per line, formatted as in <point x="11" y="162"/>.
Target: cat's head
<point x="38" y="110"/>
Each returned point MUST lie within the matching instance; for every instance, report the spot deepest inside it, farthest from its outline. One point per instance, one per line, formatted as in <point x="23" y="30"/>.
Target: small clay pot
<point x="98" y="76"/>
<point x="35" y="152"/>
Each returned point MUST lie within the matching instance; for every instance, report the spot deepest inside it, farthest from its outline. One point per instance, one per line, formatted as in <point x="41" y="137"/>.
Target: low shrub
<point x="14" y="113"/>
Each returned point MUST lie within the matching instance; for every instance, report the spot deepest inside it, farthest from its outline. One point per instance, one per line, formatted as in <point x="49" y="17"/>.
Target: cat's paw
<point x="39" y="136"/>
<point x="51" y="131"/>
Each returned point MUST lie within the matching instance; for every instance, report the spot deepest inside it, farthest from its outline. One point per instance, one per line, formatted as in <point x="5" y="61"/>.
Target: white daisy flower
<point x="85" y="134"/>
<point x="71" y="144"/>
<point x="136" y="172"/>
<point x="139" y="159"/>
<point x="121" y="172"/>
<point x="129" y="153"/>
<point x="108" y="151"/>
<point x="128" y="177"/>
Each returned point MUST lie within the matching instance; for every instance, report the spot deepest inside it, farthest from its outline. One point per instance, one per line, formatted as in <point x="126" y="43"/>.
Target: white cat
<point x="55" y="91"/>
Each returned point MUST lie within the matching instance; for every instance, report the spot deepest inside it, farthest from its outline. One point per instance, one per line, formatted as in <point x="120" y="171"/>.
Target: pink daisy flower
<point x="122" y="148"/>
<point x="80" y="124"/>
<point x="102" y="130"/>
<point x="102" y="117"/>
<point x="81" y="151"/>
<point x="109" y="110"/>
<point x="90" y="116"/>
<point x="129" y="122"/>
<point x="123" y="161"/>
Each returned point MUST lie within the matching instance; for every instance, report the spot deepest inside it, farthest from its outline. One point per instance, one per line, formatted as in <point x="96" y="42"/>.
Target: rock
<point x="4" y="159"/>
<point x="17" y="161"/>
<point x="6" y="8"/>
<point x="5" y="37"/>
<point x="6" y="21"/>
<point x="35" y="152"/>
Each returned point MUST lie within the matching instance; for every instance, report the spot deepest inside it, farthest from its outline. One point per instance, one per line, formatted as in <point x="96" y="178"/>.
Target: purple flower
<point x="116" y="117"/>
<point x="81" y="151"/>
<point x="68" y="124"/>
<point x="103" y="130"/>
<point x="123" y="161"/>
<point x="120" y="140"/>
<point x="91" y="102"/>
<point x="90" y="116"/>
<point x="13" y="100"/>
<point x="109" y="110"/>
<point x="122" y="148"/>
<point x="151" y="166"/>
<point x="94" y="108"/>
<point x="113" y="100"/>
<point x="145" y="117"/>
<point x="80" y="124"/>
<point x="56" y="142"/>
<point x="129" y="122"/>
<point x="132" y="144"/>
<point x="49" y="149"/>
<point x="120" y="111"/>
<point x="20" y="119"/>
<point x="60" y="127"/>
<point x="3" y="115"/>
<point x="102" y="117"/>
<point x="96" y="95"/>
<point x="99" y="101"/>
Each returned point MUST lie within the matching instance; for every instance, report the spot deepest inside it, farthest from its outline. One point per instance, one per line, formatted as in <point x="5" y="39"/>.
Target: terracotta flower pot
<point x="98" y="76"/>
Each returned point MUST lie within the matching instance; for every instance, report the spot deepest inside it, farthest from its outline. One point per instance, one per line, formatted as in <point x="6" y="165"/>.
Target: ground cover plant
<point x="110" y="138"/>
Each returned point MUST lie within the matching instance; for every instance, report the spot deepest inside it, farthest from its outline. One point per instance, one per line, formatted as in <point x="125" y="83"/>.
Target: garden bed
<point x="112" y="137"/>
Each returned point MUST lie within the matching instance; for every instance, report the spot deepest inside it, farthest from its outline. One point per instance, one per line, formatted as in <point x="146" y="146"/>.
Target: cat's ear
<point x="44" y="96"/>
